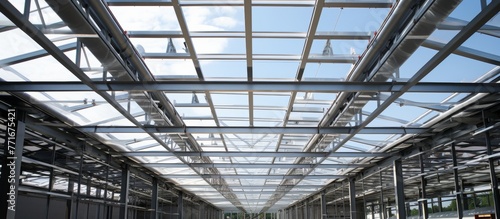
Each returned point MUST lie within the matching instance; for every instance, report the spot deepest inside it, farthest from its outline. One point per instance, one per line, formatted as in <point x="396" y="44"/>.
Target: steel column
<point x="399" y="189"/>
<point x="324" y="213"/>
<point x="381" y="204"/>
<point x="352" y="198"/>
<point x="69" y="203"/>
<point x="79" y="188"/>
<point x="124" y="192"/>
<point x="296" y="212"/>
<point x="306" y="209"/>
<point x="11" y="164"/>
<point x="493" y="177"/>
<point x="458" y="196"/>
<point x="424" y="212"/>
<point x="51" y="181"/>
<point x="201" y="212"/>
<point x="98" y="211"/>
<point x="180" y="205"/>
<point x="440" y="204"/>
<point x="372" y="208"/>
<point x="154" y="199"/>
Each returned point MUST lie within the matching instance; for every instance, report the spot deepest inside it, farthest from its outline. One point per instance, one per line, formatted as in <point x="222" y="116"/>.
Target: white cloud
<point x="146" y="18"/>
<point x="224" y="22"/>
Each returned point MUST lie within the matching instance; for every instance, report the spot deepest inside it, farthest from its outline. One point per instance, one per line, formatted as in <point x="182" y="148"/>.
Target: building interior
<point x="249" y="109"/>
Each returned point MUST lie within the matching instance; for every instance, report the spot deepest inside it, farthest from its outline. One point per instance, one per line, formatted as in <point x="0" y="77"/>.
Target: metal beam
<point x="334" y="35"/>
<point x="399" y="189"/>
<point x="269" y="3"/>
<point x="154" y="199"/>
<point x="253" y="176"/>
<point x="249" y="58"/>
<point x="253" y="154"/>
<point x="33" y="55"/>
<point x="324" y="213"/>
<point x="451" y="23"/>
<point x="180" y="205"/>
<point x="266" y="186"/>
<point x="358" y="4"/>
<point x="423" y="207"/>
<point x="252" y="165"/>
<point x="124" y="190"/>
<point x="257" y="86"/>
<point x="466" y="52"/>
<point x="315" y="58"/>
<point x="458" y="193"/>
<point x="252" y="130"/>
<point x="352" y="198"/>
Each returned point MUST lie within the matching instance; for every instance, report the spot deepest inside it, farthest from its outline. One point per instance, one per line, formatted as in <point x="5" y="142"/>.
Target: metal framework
<point x="196" y="108"/>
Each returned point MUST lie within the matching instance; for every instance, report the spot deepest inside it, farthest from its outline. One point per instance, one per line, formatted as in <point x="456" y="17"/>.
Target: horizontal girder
<point x="253" y="165"/>
<point x="253" y="154"/>
<point x="257" y="86"/>
<point x="250" y="130"/>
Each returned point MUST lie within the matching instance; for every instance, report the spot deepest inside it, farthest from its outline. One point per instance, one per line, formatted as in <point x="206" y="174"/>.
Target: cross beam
<point x="257" y="86"/>
<point x="253" y="154"/>
<point x="250" y="130"/>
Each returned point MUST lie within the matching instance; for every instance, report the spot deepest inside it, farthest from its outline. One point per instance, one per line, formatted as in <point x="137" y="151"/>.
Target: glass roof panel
<point x="206" y="18"/>
<point x="171" y="67"/>
<point x="277" y="46"/>
<point x="218" y="70"/>
<point x="274" y="70"/>
<point x="352" y="19"/>
<point x="48" y="70"/>
<point x="157" y="17"/>
<point x="219" y="46"/>
<point x="326" y="71"/>
<point x="15" y="42"/>
<point x="291" y="19"/>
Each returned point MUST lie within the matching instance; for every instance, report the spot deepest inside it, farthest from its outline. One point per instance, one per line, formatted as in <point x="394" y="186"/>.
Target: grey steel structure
<point x="198" y="109"/>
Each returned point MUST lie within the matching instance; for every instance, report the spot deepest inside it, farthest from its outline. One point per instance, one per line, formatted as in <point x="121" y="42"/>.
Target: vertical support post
<point x="154" y="199"/>
<point x="365" y="215"/>
<point x="423" y="194"/>
<point x="324" y="214"/>
<point x="107" y="208"/>
<point x="343" y="201"/>
<point x="458" y="192"/>
<point x="465" y="200"/>
<point x="493" y="177"/>
<point x="372" y="211"/>
<point x="399" y="189"/>
<point x="296" y="212"/>
<point x="79" y="188"/>
<point x="352" y="198"/>
<point x="440" y="204"/>
<point x="180" y="205"/>
<point x="201" y="212"/>
<point x="98" y="195"/>
<point x="11" y="164"/>
<point x="124" y="192"/>
<point x="306" y="208"/>
<point x="51" y="181"/>
<point x="69" y="203"/>
<point x="382" y="207"/>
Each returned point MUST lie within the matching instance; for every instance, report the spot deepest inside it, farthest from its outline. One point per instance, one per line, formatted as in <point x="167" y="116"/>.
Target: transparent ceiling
<point x="257" y="98"/>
